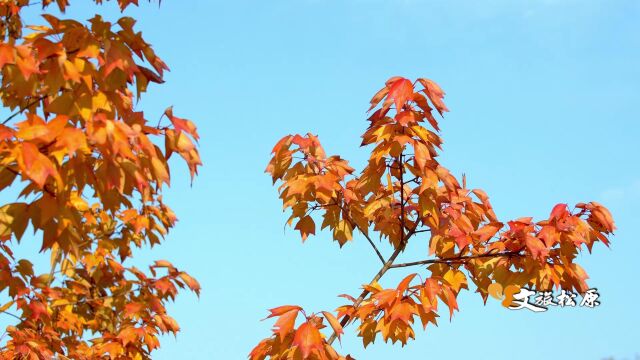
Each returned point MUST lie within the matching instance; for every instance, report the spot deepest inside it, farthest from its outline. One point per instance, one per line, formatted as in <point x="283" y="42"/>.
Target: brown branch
<point x="23" y="109"/>
<point x="458" y="259"/>
<point x="421" y="231"/>
<point x="402" y="219"/>
<point x="387" y="264"/>
<point x="373" y="245"/>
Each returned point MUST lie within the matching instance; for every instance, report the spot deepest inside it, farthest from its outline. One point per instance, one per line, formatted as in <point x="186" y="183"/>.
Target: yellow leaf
<point x="342" y="232"/>
<point x="159" y="170"/>
<point x="456" y="279"/>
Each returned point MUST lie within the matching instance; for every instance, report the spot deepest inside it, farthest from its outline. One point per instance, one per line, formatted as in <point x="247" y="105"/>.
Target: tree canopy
<point x="404" y="194"/>
<point x="90" y="169"/>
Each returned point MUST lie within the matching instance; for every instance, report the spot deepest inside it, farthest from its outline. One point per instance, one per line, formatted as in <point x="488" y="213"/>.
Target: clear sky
<point x="544" y="98"/>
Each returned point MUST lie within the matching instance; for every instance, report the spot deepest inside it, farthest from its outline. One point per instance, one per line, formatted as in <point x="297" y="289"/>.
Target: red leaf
<point x="401" y="91"/>
<point x="559" y="211"/>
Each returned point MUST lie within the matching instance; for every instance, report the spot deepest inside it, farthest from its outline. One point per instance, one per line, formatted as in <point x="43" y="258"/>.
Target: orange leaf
<point x="285" y="323"/>
<point x="191" y="282"/>
<point x="488" y="231"/>
<point x="35" y="165"/>
<point x="278" y="311"/>
<point x="378" y="97"/>
<point x="536" y="247"/>
<point x="335" y="324"/>
<point x="308" y="339"/>
<point x="7" y="54"/>
<point x="404" y="284"/>
<point x="435" y="94"/>
<point x="306" y="226"/>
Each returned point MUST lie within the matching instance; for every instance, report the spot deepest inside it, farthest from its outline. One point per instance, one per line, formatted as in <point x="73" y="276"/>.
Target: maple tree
<point x="90" y="170"/>
<point x="404" y="194"/>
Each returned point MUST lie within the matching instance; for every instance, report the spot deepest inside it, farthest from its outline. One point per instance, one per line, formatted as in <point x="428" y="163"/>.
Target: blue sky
<point x="544" y="102"/>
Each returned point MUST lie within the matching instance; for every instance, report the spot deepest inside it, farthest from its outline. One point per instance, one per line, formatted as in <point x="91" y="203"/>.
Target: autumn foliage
<point x="404" y="194"/>
<point x="89" y="169"/>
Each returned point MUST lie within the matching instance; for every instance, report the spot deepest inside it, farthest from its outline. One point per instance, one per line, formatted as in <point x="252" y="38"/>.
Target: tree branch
<point x="402" y="220"/>
<point x="35" y="101"/>
<point x="10" y="314"/>
<point x="366" y="235"/>
<point x="458" y="259"/>
<point x="356" y="226"/>
<point x="387" y="265"/>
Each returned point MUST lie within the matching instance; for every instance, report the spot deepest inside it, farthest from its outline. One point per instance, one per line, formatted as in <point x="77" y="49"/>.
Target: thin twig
<point x="10" y="314"/>
<point x="366" y="235"/>
<point x="354" y="225"/>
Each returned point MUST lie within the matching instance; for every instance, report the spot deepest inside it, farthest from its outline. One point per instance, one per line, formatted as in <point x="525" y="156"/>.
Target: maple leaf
<point x="487" y="231"/>
<point x="7" y="54"/>
<point x="536" y="247"/>
<point x="287" y="317"/>
<point x="38" y="310"/>
<point x="35" y="165"/>
<point x="400" y="91"/>
<point x="308" y="339"/>
<point x="435" y="94"/>
<point x="334" y="323"/>
<point x="306" y="226"/>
